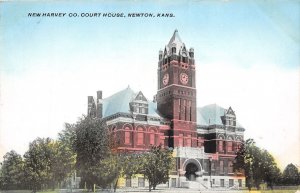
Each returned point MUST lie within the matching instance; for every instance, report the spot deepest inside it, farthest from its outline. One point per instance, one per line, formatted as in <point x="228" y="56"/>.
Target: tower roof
<point x="176" y="42"/>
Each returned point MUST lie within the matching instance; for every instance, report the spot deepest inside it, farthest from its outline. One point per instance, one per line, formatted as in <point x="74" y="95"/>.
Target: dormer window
<point x="229" y="118"/>
<point x="139" y="104"/>
<point x="173" y="50"/>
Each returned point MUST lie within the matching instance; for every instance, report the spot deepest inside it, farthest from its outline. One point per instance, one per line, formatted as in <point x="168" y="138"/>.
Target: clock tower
<point x="176" y="95"/>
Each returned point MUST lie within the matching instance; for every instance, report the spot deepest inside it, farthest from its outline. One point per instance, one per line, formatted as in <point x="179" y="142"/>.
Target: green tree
<point x="12" y="171"/>
<point x="91" y="147"/>
<point x="156" y="165"/>
<point x="38" y="163"/>
<point x="258" y="165"/>
<point x="291" y="175"/>
<point x="63" y="164"/>
<point x="271" y="172"/>
<point x="125" y="165"/>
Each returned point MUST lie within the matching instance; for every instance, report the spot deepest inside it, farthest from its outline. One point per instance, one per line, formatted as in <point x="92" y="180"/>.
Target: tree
<point x="291" y="175"/>
<point x="91" y="146"/>
<point x="63" y="164"/>
<point x="156" y="165"/>
<point x="12" y="171"/>
<point x="258" y="165"/>
<point x="271" y="172"/>
<point x="38" y="163"/>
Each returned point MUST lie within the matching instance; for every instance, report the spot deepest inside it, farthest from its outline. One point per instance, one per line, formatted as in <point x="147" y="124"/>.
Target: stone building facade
<point x="205" y="139"/>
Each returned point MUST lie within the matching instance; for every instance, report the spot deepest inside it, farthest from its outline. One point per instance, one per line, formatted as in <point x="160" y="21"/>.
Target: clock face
<point x="165" y="79"/>
<point x="184" y="78"/>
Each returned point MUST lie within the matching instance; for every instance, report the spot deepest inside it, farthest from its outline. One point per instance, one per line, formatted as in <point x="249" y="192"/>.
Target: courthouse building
<point x="204" y="139"/>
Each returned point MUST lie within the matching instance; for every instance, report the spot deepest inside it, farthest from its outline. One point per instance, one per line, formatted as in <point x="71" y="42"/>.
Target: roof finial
<point x="176" y="30"/>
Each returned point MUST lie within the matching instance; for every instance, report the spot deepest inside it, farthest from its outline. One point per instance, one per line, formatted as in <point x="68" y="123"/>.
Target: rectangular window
<point x="152" y="139"/>
<point x="222" y="183"/>
<point x="179" y="108"/>
<point x="162" y="140"/>
<point x="240" y="182"/>
<point x="220" y="146"/>
<point x="128" y="182"/>
<point x="141" y="182"/>
<point x="229" y="146"/>
<point x="180" y="140"/>
<point x="173" y="182"/>
<point x="212" y="165"/>
<point x="230" y="182"/>
<point x="190" y="113"/>
<point x="127" y="137"/>
<point x="221" y="167"/>
<point x="184" y="109"/>
<point x="140" y="138"/>
<point x="213" y="181"/>
<point x="230" y="167"/>
<point x="188" y="141"/>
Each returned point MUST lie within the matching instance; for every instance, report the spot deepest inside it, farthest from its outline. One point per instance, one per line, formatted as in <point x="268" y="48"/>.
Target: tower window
<point x="173" y="50"/>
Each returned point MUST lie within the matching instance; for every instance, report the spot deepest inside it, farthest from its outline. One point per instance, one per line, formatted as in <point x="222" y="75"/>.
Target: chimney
<point x="99" y="104"/>
<point x="91" y="105"/>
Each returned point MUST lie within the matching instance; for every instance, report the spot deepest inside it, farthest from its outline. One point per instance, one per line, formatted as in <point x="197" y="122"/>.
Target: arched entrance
<point x="192" y="169"/>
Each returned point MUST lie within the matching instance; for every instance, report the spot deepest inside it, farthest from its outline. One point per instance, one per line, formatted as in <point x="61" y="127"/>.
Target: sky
<point x="246" y="53"/>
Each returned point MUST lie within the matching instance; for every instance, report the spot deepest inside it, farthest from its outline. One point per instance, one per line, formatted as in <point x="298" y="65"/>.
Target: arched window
<point x="140" y="135"/>
<point x="220" y="146"/>
<point x="127" y="135"/>
<point x="152" y="137"/>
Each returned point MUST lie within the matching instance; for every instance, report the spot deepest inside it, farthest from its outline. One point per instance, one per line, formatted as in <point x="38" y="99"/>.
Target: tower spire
<point x="175" y="39"/>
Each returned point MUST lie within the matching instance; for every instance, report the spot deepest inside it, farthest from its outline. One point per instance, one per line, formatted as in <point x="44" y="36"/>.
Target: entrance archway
<point x="192" y="169"/>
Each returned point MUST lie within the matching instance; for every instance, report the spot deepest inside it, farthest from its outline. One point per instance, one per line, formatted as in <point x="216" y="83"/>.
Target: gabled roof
<point x="211" y="115"/>
<point x="119" y="103"/>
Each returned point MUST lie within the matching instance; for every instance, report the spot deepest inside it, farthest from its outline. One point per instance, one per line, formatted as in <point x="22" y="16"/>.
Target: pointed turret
<point x="175" y="44"/>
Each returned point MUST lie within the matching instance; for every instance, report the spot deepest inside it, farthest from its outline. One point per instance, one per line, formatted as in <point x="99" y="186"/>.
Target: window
<point x="229" y="146"/>
<point x="240" y="182"/>
<point x="128" y="182"/>
<point x="220" y="146"/>
<point x="152" y="138"/>
<point x="230" y="182"/>
<point x="213" y="181"/>
<point x="189" y="141"/>
<point x="179" y="100"/>
<point x="212" y="165"/>
<point x="173" y="182"/>
<point x="180" y="141"/>
<point x="140" y="139"/>
<point x="230" y="167"/>
<point x="162" y="140"/>
<point x="127" y="136"/>
<point x="173" y="50"/>
<point x="222" y="183"/>
<point x="221" y="166"/>
<point x="141" y="182"/>
<point x="184" y="109"/>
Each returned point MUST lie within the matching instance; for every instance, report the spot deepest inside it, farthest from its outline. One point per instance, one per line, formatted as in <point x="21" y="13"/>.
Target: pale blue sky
<point x="247" y="57"/>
